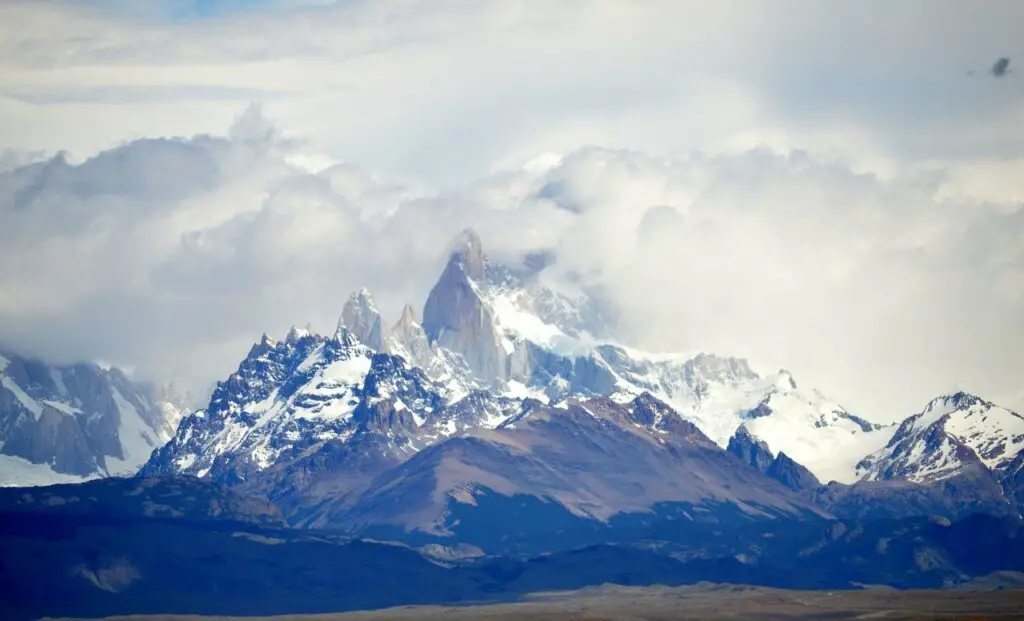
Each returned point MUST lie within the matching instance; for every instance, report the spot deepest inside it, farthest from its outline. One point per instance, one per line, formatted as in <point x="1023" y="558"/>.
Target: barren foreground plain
<point x="698" y="602"/>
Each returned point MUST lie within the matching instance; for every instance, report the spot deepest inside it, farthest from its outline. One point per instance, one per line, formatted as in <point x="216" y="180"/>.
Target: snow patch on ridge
<point x="30" y="404"/>
<point x="18" y="472"/>
<point x="135" y="437"/>
<point x="62" y="407"/>
<point x="949" y="434"/>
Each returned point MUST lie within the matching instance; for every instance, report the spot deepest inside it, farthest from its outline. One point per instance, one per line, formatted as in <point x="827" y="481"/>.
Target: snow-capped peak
<point x="296" y="333"/>
<point x="295" y="397"/>
<point x="952" y="402"/>
<point x="951" y="433"/>
<point x="345" y="337"/>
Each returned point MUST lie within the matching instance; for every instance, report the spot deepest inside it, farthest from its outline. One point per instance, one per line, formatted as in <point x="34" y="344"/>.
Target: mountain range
<point x="501" y="441"/>
<point x="511" y="393"/>
<point x="498" y="371"/>
<point x="510" y="386"/>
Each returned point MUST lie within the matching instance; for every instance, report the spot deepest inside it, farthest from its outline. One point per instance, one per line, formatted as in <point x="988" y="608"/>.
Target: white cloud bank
<point x="820" y="187"/>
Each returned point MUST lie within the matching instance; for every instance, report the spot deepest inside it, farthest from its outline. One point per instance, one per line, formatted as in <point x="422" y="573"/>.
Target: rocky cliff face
<point x="750" y="450"/>
<point x="781" y="467"/>
<point x="1011" y="476"/>
<point x="456" y="316"/>
<point x="791" y="474"/>
<point x="64" y="423"/>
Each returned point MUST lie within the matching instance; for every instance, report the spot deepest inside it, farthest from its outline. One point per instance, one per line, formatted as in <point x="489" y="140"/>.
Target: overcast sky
<point x="831" y="187"/>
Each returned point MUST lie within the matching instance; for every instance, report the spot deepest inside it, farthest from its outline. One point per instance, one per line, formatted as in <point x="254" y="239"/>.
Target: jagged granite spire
<point x="408" y="317"/>
<point x="363" y="320"/>
<point x="407" y="339"/>
<point x="455" y="316"/>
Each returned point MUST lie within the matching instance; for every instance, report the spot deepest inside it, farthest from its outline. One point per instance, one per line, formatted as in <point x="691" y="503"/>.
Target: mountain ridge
<point x="298" y="410"/>
<point x="318" y="423"/>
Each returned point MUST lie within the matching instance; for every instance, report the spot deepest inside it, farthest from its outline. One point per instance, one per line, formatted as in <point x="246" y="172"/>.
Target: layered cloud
<point x="440" y="91"/>
<point x="172" y="255"/>
<point x="816" y="186"/>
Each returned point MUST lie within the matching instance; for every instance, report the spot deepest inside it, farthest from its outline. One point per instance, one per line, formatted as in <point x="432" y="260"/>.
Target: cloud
<point x="13" y="158"/>
<point x="1000" y="67"/>
<point x="124" y="95"/>
<point x="172" y="255"/>
<point x="199" y="9"/>
<point x="808" y="185"/>
<point x="439" y="95"/>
